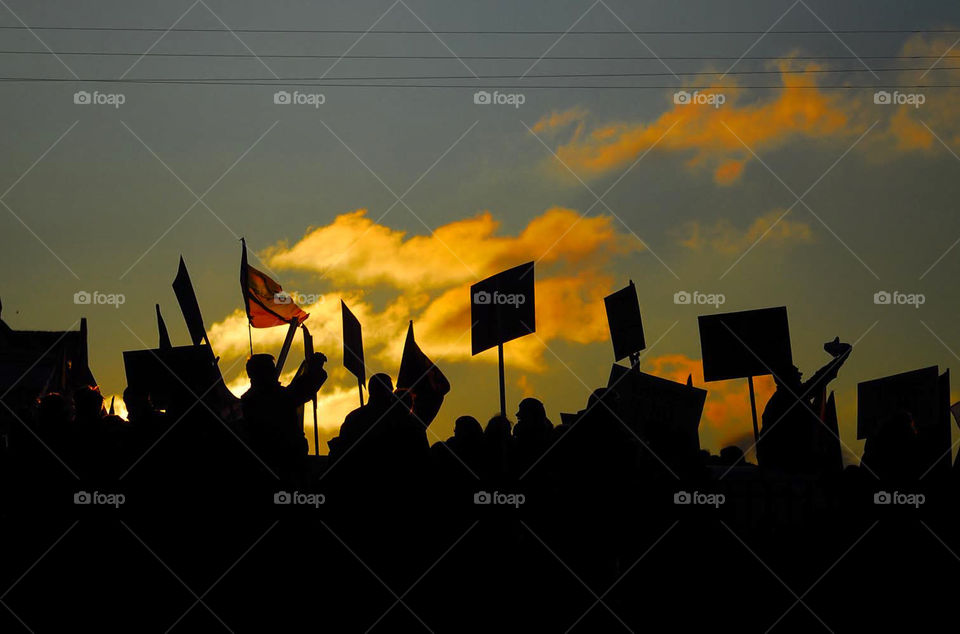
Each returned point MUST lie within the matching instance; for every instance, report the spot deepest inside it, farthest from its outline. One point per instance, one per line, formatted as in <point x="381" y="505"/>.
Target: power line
<point x="472" y="86"/>
<point x="490" y="57"/>
<point x="281" y="80"/>
<point x="138" y="29"/>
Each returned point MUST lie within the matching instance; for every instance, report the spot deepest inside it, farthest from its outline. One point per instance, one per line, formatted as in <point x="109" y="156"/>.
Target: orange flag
<point x="266" y="303"/>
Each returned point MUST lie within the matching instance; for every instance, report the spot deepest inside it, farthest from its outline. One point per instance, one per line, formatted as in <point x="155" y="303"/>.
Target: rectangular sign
<point x="625" y="322"/>
<point x="746" y="343"/>
<point x="914" y="393"/>
<point x="352" y="344"/>
<point x="502" y="307"/>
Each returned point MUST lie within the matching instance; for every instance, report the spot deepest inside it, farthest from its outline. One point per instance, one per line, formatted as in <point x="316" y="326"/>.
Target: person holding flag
<point x="266" y="304"/>
<point x="420" y="383"/>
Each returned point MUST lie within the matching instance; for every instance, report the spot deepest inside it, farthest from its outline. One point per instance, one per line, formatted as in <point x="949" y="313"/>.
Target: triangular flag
<point x="112" y="399"/>
<point x="264" y="300"/>
<point x="689" y="380"/>
<point x="422" y="378"/>
<point x="162" y="329"/>
<point x="189" y="306"/>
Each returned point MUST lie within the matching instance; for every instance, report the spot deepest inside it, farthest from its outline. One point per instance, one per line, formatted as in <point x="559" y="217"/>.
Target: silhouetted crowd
<point x="541" y="517"/>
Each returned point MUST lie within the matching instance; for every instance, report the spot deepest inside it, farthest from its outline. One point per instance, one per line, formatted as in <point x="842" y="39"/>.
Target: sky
<point x="749" y="158"/>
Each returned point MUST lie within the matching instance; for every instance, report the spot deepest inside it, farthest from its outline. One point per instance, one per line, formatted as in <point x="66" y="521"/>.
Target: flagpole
<point x="360" y="389"/>
<point x="753" y="410"/>
<point x="291" y="331"/>
<point x="250" y="335"/>
<point x="503" y="396"/>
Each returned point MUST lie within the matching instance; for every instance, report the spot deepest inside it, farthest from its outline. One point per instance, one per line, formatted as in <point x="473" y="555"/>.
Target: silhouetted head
<point x="531" y="410"/>
<point x="261" y="369"/>
<point x="498" y="427"/>
<point x="380" y="388"/>
<point x="88" y="403"/>
<point x="731" y="455"/>
<point x="790" y="377"/>
<point x="53" y="410"/>
<point x="600" y="397"/>
<point x="137" y="402"/>
<point x="467" y="428"/>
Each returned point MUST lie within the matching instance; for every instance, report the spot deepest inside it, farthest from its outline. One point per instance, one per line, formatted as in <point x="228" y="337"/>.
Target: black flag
<point x="188" y="304"/>
<point x="352" y="344"/>
<point x="162" y="329"/>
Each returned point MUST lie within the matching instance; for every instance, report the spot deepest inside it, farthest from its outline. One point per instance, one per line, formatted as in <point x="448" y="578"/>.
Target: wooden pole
<point x="753" y="410"/>
<point x="360" y="389"/>
<point x="503" y="395"/>
<point x="250" y="335"/>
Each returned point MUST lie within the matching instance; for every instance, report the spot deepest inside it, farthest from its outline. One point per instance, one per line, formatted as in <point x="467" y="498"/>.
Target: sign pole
<point x="503" y="395"/>
<point x="360" y="389"/>
<point x="286" y="346"/>
<point x="753" y="410"/>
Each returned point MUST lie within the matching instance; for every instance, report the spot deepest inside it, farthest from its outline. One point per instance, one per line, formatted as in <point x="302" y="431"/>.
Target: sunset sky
<point x="799" y="189"/>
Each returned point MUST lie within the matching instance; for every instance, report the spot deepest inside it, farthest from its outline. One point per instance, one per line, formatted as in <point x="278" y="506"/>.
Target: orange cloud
<point x="710" y="134"/>
<point x="724" y="238"/>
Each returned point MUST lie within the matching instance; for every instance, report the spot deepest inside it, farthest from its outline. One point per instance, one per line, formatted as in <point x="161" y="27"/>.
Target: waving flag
<point x="422" y="378"/>
<point x="266" y="304"/>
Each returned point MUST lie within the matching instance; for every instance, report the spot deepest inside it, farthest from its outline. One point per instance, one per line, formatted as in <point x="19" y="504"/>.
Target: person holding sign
<point x="791" y="417"/>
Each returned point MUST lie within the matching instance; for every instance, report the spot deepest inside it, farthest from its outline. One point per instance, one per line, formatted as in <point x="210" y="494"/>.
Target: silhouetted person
<point x="272" y="411"/>
<point x="499" y="448"/>
<point x="893" y="451"/>
<point x="787" y="437"/>
<point x="533" y="432"/>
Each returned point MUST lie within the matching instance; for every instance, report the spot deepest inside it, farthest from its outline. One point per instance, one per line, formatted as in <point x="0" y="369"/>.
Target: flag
<point x="421" y="378"/>
<point x="264" y="300"/>
<point x="352" y="344"/>
<point x="162" y="329"/>
<point x="189" y="306"/>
